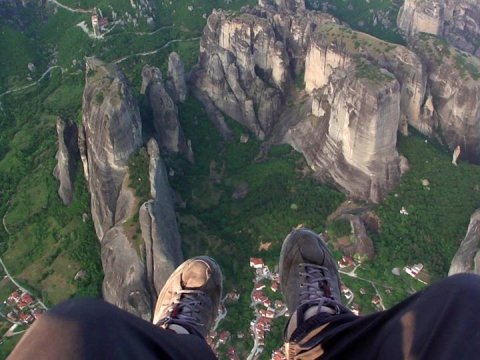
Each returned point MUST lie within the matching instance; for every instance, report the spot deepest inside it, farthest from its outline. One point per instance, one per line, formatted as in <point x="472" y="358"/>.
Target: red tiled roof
<point x="256" y="261"/>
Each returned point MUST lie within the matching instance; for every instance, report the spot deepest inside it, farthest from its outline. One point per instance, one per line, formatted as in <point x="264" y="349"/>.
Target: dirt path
<point x="148" y="53"/>
<point x="32" y="84"/>
<point x="354" y="275"/>
<point x="68" y="8"/>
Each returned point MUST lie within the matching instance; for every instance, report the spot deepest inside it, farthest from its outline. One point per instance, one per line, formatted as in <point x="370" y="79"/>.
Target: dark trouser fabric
<point x="94" y="329"/>
<point x="442" y="322"/>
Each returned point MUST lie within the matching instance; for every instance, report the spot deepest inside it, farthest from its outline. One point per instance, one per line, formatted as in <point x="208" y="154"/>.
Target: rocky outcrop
<point x="245" y="63"/>
<point x="421" y="16"/>
<point x="335" y="47"/>
<point x="362" y="245"/>
<point x="165" y="112"/>
<point x="112" y="133"/>
<point x="158" y="224"/>
<point x="453" y="105"/>
<point x="66" y="159"/>
<point x="456" y="21"/>
<point x="467" y="258"/>
<point x="351" y="134"/>
<point x="137" y="257"/>
<point x="291" y="5"/>
<point x="251" y="67"/>
<point x="176" y="78"/>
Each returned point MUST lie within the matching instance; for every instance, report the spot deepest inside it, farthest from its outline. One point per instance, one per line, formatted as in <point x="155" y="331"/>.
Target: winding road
<point x="68" y="8"/>
<point x="32" y="84"/>
<point x="20" y="286"/>
<point x="354" y="275"/>
<point x="148" y="53"/>
<point x="10" y="277"/>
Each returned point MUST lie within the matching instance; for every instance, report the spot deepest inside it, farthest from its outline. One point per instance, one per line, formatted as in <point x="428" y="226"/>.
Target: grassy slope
<point x="361" y="16"/>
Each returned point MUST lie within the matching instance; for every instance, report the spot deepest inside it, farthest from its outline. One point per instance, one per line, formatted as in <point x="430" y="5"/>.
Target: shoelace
<point x="316" y="288"/>
<point x="186" y="309"/>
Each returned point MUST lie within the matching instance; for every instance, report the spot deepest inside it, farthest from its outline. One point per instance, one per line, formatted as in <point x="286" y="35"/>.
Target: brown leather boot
<point x="191" y="296"/>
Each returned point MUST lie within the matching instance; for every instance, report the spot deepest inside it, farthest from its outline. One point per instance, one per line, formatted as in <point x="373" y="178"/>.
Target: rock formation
<point x="456" y="155"/>
<point x="454" y="88"/>
<point x="362" y="245"/>
<point x="135" y="266"/>
<point x="112" y="133"/>
<point x="165" y="112"/>
<point x="467" y="258"/>
<point x="456" y="21"/>
<point x="335" y="47"/>
<point x="338" y="95"/>
<point x="345" y="125"/>
<point x="421" y="16"/>
<point x="292" y="5"/>
<point x="66" y="159"/>
<point x="351" y="135"/>
<point x="163" y="252"/>
<point x="176" y="78"/>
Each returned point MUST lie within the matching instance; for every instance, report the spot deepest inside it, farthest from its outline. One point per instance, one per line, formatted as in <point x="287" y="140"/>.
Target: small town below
<point x="268" y="307"/>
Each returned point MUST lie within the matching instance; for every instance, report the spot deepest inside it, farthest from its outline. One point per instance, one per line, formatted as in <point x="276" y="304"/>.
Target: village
<point x="267" y="309"/>
<point x="21" y="308"/>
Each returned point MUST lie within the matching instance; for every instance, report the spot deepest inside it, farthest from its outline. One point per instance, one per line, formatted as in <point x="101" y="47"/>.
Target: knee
<point x="82" y="309"/>
<point x="465" y="286"/>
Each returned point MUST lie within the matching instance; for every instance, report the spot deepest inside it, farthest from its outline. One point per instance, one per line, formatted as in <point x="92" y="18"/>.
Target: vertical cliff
<point x="456" y="21"/>
<point x="350" y="137"/>
<point x="165" y="112"/>
<point x="247" y="62"/>
<point x="271" y="69"/>
<point x="163" y="252"/>
<point x="454" y="86"/>
<point x="467" y="258"/>
<point x="67" y="153"/>
<point x="137" y="257"/>
<point x="112" y="133"/>
<point x="422" y="16"/>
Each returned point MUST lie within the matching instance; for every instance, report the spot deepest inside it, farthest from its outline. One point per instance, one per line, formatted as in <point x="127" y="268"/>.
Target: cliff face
<point x="112" y="133"/>
<point x="345" y="125"/>
<point x="135" y="267"/>
<point x="467" y="258"/>
<point x="335" y="47"/>
<point x="163" y="252"/>
<point x="456" y="21"/>
<point x="421" y="16"/>
<point x="245" y="66"/>
<point x="66" y="158"/>
<point x="165" y="112"/>
<point x="454" y="83"/>
<point x="176" y="78"/>
<point x="351" y="134"/>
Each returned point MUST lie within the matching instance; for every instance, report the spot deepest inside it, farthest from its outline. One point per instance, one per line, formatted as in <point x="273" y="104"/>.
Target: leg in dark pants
<point x="94" y="329"/>
<point x="442" y="322"/>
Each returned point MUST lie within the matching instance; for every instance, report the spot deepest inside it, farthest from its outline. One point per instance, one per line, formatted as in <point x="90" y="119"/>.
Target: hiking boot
<point x="308" y="278"/>
<point x="191" y="297"/>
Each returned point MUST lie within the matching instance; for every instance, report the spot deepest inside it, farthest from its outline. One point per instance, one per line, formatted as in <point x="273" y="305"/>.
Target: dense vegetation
<point x="438" y="213"/>
<point x="375" y="17"/>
